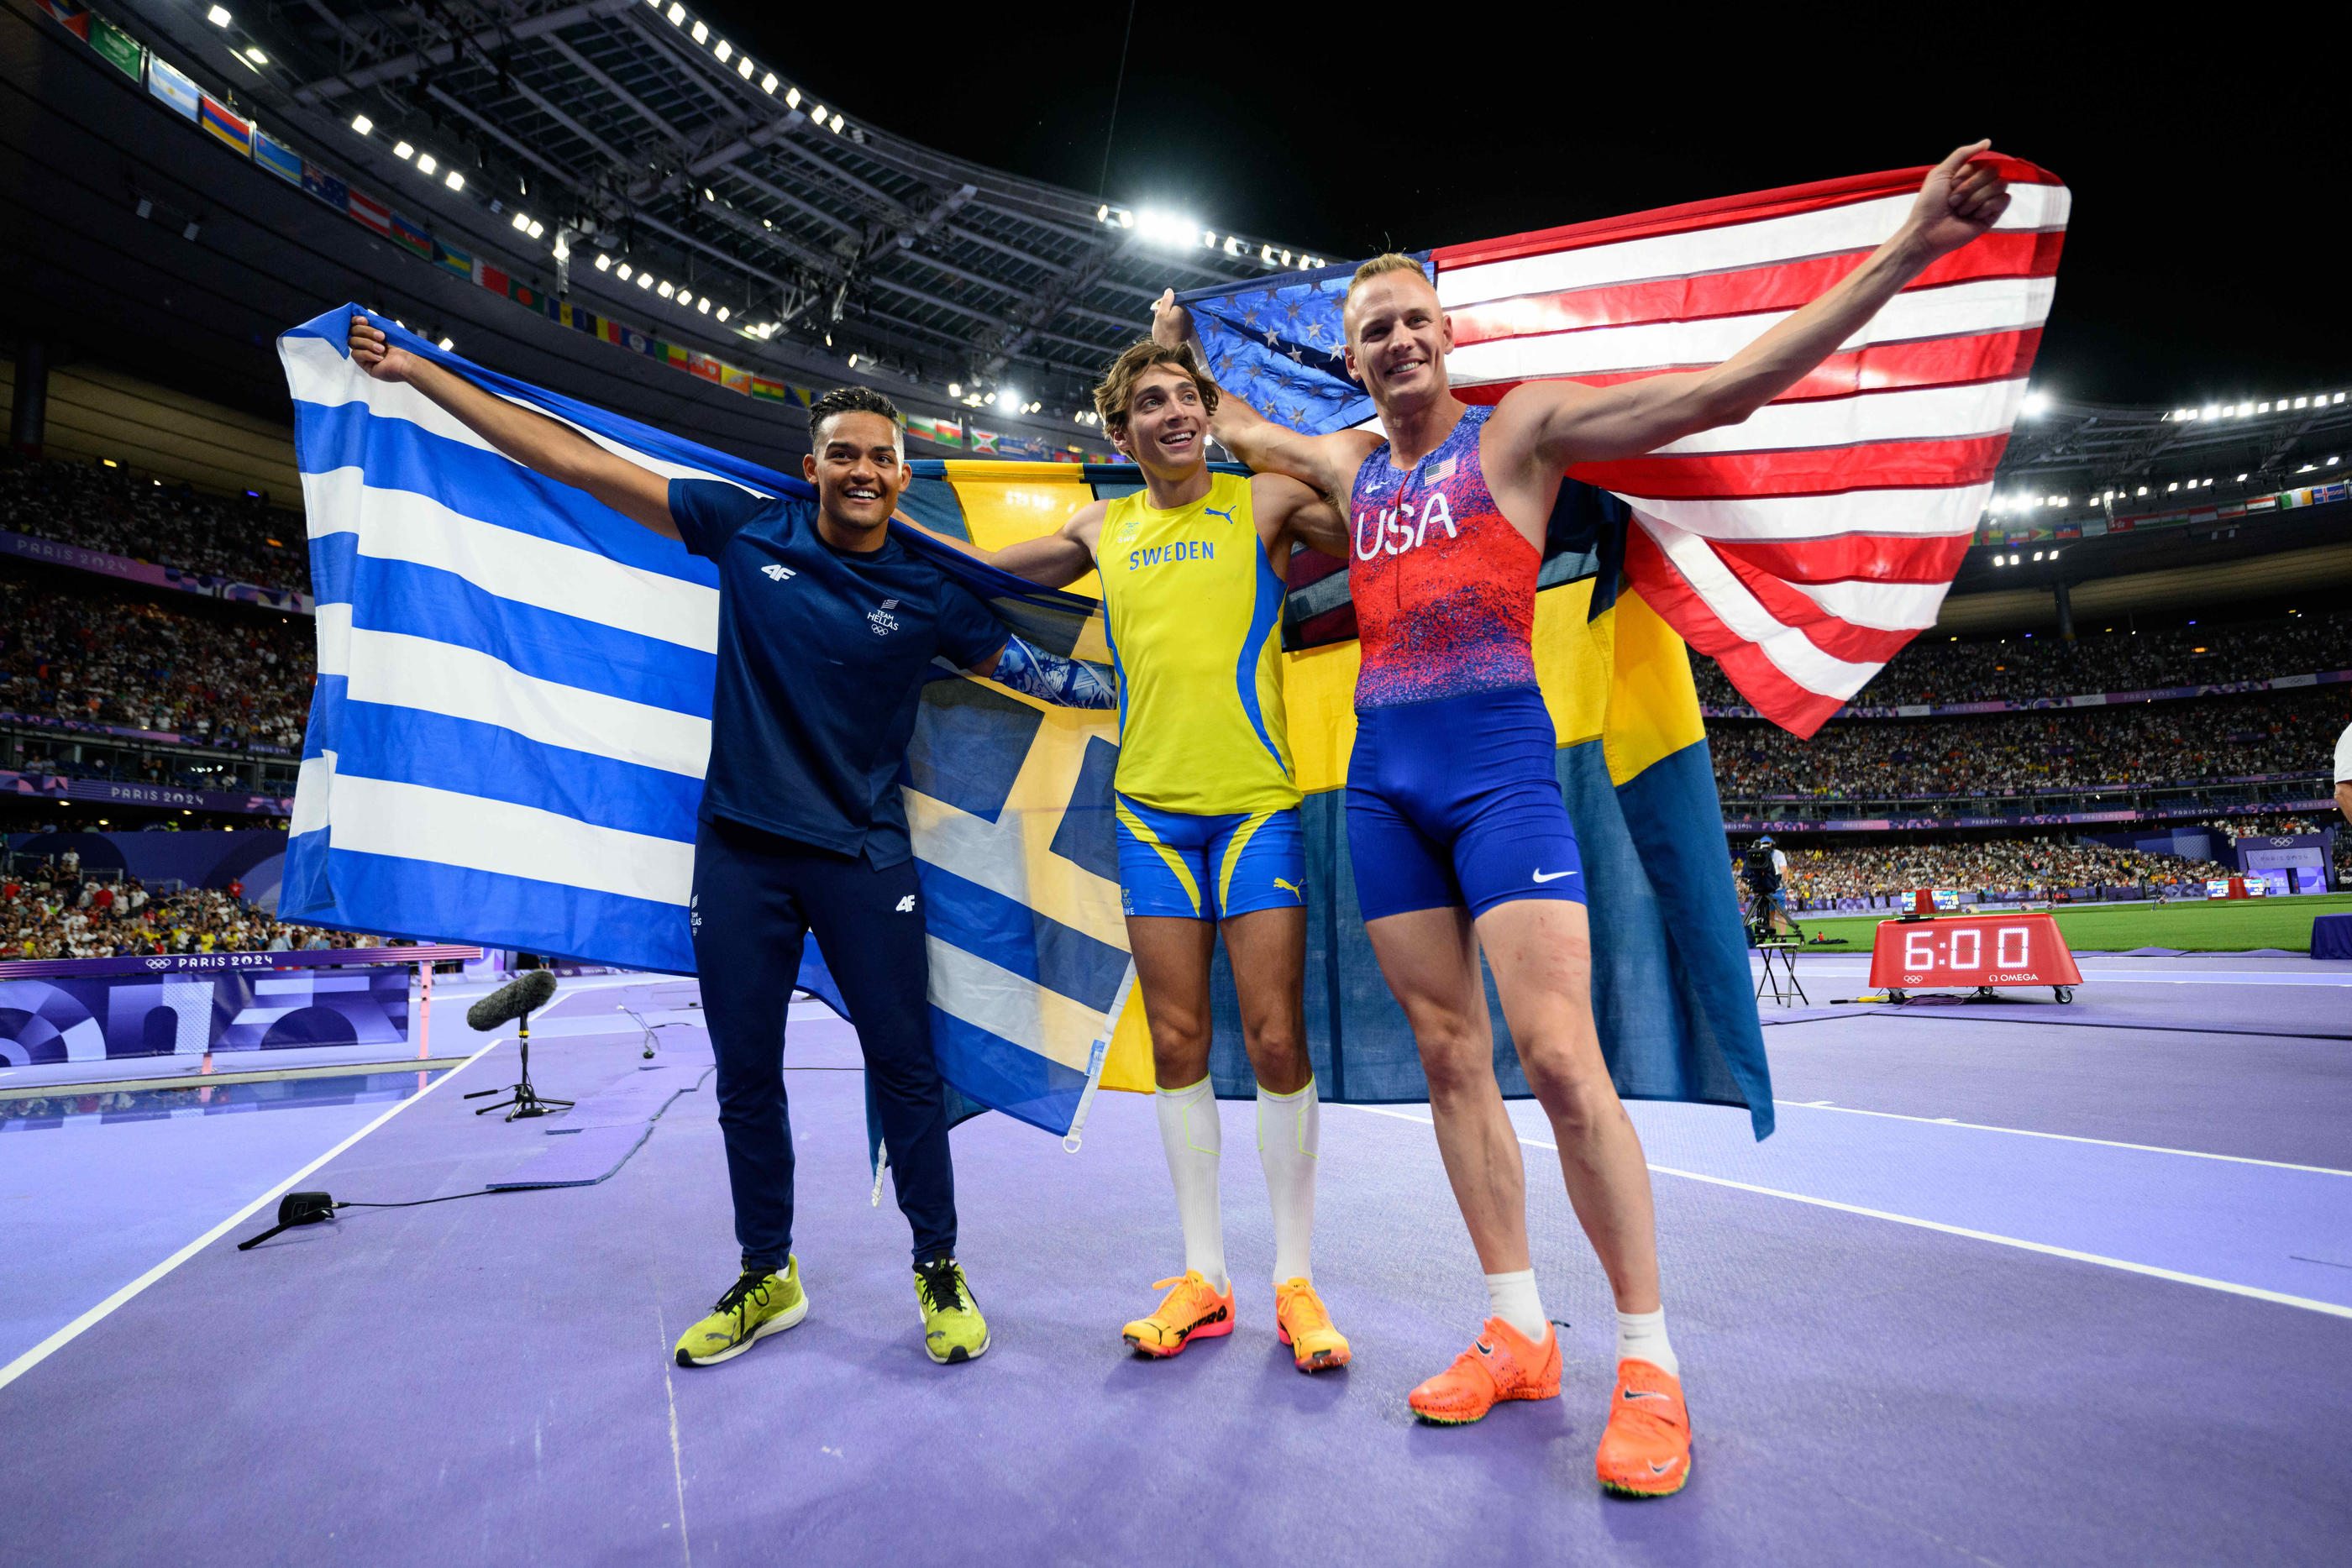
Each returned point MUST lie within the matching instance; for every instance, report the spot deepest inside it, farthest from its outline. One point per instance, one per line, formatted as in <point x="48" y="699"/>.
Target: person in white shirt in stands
<point x="2344" y="772"/>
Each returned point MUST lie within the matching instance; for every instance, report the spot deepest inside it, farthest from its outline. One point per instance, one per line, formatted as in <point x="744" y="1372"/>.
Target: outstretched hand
<point x="1171" y="324"/>
<point x="1961" y="199"/>
<point x="371" y="352"/>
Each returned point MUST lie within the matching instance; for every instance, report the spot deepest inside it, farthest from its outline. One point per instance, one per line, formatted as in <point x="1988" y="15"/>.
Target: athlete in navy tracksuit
<point x="826" y="628"/>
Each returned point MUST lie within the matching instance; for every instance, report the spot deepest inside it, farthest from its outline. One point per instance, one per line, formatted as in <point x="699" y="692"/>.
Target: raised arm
<point x="1326" y="463"/>
<point x="1556" y="423"/>
<point x="1288" y="506"/>
<point x="1051" y="560"/>
<point x="533" y="440"/>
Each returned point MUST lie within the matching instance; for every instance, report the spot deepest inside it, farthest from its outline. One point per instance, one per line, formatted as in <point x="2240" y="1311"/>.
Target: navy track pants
<point x="756" y="899"/>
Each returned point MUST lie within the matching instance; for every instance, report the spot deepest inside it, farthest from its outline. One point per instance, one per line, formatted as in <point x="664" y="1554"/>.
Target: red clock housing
<point x="1972" y="950"/>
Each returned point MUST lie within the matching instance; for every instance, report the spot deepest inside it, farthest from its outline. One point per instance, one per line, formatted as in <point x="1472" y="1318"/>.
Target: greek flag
<point x="512" y="718"/>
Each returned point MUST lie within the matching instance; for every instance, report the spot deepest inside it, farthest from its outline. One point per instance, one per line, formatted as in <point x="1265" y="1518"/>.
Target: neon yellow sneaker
<point x="756" y="1305"/>
<point x="954" y="1328"/>
<point x="1305" y="1325"/>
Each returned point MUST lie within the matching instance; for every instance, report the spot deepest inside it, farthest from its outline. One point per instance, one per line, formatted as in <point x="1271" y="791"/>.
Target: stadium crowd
<point x="2037" y="867"/>
<point x="2021" y="667"/>
<point x="108" y="658"/>
<point x="106" y="509"/>
<point x="2142" y="745"/>
<point x="59" y="913"/>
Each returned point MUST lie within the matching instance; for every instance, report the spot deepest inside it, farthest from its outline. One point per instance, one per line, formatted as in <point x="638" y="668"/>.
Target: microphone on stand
<point x="517" y="999"/>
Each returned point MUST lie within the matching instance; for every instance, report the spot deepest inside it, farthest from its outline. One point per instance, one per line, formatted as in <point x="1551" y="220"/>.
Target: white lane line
<point x="2228" y="1287"/>
<point x="74" y="1330"/>
<point x="2062" y="1137"/>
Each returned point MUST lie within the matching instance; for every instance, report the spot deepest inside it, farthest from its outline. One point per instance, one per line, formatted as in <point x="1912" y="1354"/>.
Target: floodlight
<point x="522" y="220"/>
<point x="2303" y="403"/>
<point x="363" y="124"/>
<point x="699" y="31"/>
<point x="2210" y="413"/>
<point x="2241" y="478"/>
<point x="767" y="82"/>
<point x="446" y="343"/>
<point x="722" y="312"/>
<point x="537" y="228"/>
<point x="955" y="390"/>
<point x="724" y="50"/>
<point x="624" y="270"/>
<point x="676" y="14"/>
<point x="455" y="180"/>
<point x="665" y="290"/>
<point x="792" y="97"/>
<point x="836" y="124"/>
<point x="425" y="164"/>
<point x="644" y="280"/>
<point x="605" y="264"/>
<point x="2035" y="402"/>
<point x="703" y="305"/>
<point x="403" y="151"/>
<point x="218" y="16"/>
<point x="256" y="56"/>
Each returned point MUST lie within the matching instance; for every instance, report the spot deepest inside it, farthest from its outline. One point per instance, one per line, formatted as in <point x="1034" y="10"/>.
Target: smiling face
<point x="859" y="468"/>
<point x="1398" y="337"/>
<point x="1167" y="429"/>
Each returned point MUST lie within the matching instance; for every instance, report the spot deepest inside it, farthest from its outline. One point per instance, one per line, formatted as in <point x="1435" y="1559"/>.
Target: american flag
<point x="1804" y="547"/>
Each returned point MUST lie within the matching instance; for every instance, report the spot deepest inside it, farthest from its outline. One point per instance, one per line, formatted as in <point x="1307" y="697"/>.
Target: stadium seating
<point x="146" y="519"/>
<point x="47" y="913"/>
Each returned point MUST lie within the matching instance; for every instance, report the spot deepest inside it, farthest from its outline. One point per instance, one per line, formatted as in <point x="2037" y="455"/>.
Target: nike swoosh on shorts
<point x="1552" y="876"/>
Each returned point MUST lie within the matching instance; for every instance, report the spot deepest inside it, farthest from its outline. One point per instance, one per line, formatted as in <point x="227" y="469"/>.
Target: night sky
<point x="2205" y="260"/>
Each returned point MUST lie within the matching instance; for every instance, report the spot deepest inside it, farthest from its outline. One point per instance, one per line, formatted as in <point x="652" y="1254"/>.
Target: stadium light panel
<point x="707" y="195"/>
<point x="537" y="228"/>
<point x="363" y="124"/>
<point x="2241" y="478"/>
<point x="722" y="312"/>
<point x="2331" y="463"/>
<point x="404" y="151"/>
<point x="522" y="221"/>
<point x="624" y="271"/>
<point x="218" y="16"/>
<point x="426" y="164"/>
<point x="955" y="389"/>
<point x="448" y="344"/>
<point x="2143" y="489"/>
<point x="817" y="114"/>
<point x="724" y="50"/>
<point x="743" y="68"/>
<point x="455" y="180"/>
<point x="2262" y="408"/>
<point x="836" y="125"/>
<point x="2245" y="408"/>
<point x="665" y="290"/>
<point x="256" y="56"/>
<point x="644" y="280"/>
<point x="2037" y="554"/>
<point x="701" y="33"/>
<point x="767" y="82"/>
<point x="2035" y="402"/>
<point x="676" y="14"/>
<point x="852" y="361"/>
<point x="2210" y="413"/>
<point x="604" y="263"/>
<point x="2174" y="485"/>
<point x="703" y="305"/>
<point x="792" y="97"/>
<point x="2303" y="403"/>
<point x="2337" y="397"/>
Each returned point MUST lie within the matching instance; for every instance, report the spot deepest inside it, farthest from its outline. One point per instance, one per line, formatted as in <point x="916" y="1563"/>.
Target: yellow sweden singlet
<point x="1195" y="611"/>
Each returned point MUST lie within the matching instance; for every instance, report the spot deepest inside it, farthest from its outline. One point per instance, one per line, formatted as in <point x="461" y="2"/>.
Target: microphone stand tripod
<point x="526" y="1100"/>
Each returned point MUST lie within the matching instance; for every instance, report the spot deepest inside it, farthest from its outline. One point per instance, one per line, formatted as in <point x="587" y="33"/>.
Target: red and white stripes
<point x="1804" y="547"/>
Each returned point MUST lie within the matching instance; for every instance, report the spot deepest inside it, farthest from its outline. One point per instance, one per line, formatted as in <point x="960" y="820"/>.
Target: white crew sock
<point x="1515" y="1302"/>
<point x="1289" y="1145"/>
<point x="1642" y="1336"/>
<point x="1189" y="1132"/>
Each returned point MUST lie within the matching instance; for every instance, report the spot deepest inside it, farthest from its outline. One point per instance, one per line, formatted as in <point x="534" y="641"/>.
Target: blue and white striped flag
<point x="512" y="718"/>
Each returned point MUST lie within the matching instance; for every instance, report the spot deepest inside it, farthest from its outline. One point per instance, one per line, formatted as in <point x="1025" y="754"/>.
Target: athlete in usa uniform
<point x="1456" y="830"/>
<point x="1191" y="573"/>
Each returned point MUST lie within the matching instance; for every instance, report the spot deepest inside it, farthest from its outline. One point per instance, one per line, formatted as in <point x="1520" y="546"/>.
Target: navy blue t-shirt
<point x="821" y="655"/>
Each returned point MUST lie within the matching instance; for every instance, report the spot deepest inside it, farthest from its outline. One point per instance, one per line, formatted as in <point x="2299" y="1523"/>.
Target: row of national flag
<point x="172" y="87"/>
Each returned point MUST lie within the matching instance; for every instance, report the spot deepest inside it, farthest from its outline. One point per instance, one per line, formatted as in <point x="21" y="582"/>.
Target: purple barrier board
<point x="23" y="547"/>
<point x="93" y="1009"/>
<point x="2079" y="700"/>
<point x="112" y="791"/>
<point x="222" y="963"/>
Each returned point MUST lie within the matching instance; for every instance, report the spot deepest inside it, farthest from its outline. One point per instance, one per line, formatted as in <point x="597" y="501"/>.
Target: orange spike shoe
<point x="1304" y="1324"/>
<point x="1646" y="1450"/>
<point x="1501" y="1364"/>
<point x="1192" y="1310"/>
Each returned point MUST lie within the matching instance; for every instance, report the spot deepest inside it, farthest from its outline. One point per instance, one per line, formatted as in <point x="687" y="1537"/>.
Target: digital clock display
<point x="1973" y="950"/>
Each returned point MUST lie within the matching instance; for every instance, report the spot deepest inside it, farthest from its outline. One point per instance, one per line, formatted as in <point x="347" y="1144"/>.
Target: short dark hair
<point x="852" y="400"/>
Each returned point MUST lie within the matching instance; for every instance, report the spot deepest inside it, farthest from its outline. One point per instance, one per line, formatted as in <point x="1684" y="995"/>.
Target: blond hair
<point x="1117" y="388"/>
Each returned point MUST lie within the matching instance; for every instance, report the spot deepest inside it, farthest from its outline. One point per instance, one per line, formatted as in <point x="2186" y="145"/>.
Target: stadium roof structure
<point x="636" y="131"/>
<point x="2088" y="456"/>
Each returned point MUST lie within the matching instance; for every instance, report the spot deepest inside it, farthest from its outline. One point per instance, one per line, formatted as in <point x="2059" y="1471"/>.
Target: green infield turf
<point x="2218" y="926"/>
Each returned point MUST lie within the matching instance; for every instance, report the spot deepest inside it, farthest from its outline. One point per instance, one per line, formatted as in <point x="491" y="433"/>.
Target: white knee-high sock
<point x="1289" y="1145"/>
<point x="1642" y="1336"/>
<point x="1189" y="1132"/>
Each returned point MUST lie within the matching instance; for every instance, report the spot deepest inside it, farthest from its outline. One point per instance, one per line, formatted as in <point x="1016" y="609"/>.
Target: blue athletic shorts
<point x="1455" y="803"/>
<point x="1209" y="868"/>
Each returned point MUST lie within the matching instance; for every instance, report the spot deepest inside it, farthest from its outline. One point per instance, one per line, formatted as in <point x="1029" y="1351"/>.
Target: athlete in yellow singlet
<point x="1192" y="569"/>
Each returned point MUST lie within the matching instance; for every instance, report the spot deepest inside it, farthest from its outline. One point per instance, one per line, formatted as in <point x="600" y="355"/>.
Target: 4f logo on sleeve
<point x="906" y="904"/>
<point x="777" y="573"/>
